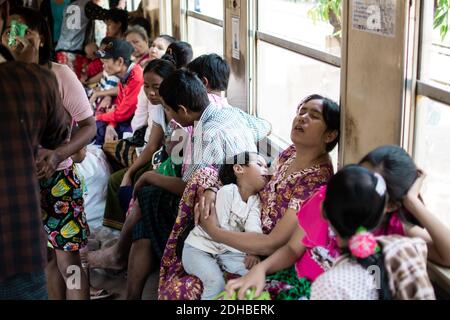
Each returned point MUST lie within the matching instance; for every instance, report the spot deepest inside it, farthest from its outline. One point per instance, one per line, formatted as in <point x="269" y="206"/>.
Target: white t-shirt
<point x="144" y="114"/>
<point x="234" y="214"/>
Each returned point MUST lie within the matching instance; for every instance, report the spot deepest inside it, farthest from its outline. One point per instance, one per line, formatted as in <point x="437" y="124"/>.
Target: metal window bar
<point x="301" y="49"/>
<point x="205" y="18"/>
<point x="433" y="92"/>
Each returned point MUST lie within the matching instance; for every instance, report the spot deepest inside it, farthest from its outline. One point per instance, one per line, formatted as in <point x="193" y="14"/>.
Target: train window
<point x="314" y="23"/>
<point x="432" y="138"/>
<point x="432" y="116"/>
<point x="212" y="8"/>
<point x="205" y="26"/>
<point x="204" y="37"/>
<point x="293" y="64"/>
<point x="435" y="45"/>
<point x="284" y="78"/>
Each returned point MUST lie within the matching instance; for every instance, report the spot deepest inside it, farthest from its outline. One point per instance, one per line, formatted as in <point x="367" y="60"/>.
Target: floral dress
<point x="283" y="191"/>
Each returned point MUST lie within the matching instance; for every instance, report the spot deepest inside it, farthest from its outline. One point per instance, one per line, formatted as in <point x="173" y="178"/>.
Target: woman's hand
<point x="111" y="134"/>
<point x="47" y="162"/>
<point x="210" y="222"/>
<point x="250" y="261"/>
<point x="203" y="206"/>
<point x="144" y="180"/>
<point x="412" y="198"/>
<point x="94" y="98"/>
<point x="126" y="180"/>
<point x="255" y="278"/>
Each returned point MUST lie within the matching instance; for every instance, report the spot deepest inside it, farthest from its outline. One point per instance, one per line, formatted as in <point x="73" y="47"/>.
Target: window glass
<point x="314" y="23"/>
<point x="205" y="37"/>
<point x="212" y="8"/>
<point x="432" y="154"/>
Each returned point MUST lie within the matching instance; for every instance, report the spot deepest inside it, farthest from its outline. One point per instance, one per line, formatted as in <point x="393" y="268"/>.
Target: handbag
<point x="124" y="150"/>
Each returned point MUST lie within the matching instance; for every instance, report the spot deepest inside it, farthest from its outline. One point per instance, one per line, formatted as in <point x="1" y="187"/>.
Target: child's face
<point x="255" y="173"/>
<point x="113" y="28"/>
<point x="151" y="87"/>
<point x="158" y="48"/>
<point x="90" y="50"/>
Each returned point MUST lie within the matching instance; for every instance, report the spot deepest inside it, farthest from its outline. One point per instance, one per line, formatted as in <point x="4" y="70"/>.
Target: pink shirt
<point x="320" y="242"/>
<point x="73" y="97"/>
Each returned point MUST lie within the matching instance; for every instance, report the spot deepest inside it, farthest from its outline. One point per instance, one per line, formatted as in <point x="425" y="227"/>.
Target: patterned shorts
<point x="63" y="211"/>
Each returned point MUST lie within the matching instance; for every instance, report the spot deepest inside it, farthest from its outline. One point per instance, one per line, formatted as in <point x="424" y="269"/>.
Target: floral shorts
<point x="63" y="210"/>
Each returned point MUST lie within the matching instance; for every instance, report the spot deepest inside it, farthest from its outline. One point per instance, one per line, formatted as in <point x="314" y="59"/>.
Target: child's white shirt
<point x="233" y="214"/>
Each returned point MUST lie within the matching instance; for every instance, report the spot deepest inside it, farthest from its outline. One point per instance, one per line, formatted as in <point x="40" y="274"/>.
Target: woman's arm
<point x="154" y="143"/>
<point x="281" y="259"/>
<point x="434" y="232"/>
<point x="172" y="184"/>
<point x="250" y="242"/>
<point x="95" y="79"/>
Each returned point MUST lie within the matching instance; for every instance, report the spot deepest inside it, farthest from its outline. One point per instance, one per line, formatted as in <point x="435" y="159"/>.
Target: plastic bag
<point x="17" y="30"/>
<point x="249" y="295"/>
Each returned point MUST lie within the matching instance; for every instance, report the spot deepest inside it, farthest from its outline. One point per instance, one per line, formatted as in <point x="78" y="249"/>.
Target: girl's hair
<point x="331" y="116"/>
<point x="214" y="68"/>
<point x="139" y="31"/>
<point x="143" y="23"/>
<point x="119" y="16"/>
<point x="162" y="68"/>
<point x="36" y="21"/>
<point x="353" y="200"/>
<point x="226" y="172"/>
<point x="179" y="53"/>
<point x="168" y="38"/>
<point x="398" y="170"/>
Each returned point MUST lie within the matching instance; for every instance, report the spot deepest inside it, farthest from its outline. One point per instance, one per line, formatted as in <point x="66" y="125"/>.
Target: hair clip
<point x="380" y="188"/>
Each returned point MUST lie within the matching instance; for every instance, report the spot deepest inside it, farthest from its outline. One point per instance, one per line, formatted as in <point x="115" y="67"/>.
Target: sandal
<point x="97" y="294"/>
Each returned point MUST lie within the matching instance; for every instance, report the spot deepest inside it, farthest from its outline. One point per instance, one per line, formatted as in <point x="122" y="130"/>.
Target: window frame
<point x="283" y="43"/>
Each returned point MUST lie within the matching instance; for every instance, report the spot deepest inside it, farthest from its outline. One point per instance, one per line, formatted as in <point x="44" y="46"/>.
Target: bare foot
<point x="106" y="259"/>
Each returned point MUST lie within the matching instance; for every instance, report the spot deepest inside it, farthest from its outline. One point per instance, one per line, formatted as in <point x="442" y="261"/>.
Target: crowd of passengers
<point x="192" y="192"/>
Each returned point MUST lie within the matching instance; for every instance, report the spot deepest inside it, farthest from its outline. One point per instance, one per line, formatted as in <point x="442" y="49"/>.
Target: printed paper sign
<point x="235" y="37"/>
<point x="375" y="16"/>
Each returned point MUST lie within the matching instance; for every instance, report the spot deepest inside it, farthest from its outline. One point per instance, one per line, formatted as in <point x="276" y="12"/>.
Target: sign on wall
<point x="374" y="16"/>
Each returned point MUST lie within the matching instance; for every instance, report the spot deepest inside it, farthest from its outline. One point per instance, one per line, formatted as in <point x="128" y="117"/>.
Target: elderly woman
<point x="299" y="171"/>
<point x="138" y="38"/>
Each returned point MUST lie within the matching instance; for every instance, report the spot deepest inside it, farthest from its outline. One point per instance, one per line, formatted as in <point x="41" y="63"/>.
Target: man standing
<point x="31" y="114"/>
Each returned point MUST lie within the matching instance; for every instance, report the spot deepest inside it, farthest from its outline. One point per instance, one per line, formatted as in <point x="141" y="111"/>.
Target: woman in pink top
<point x="61" y="190"/>
<point x="313" y="247"/>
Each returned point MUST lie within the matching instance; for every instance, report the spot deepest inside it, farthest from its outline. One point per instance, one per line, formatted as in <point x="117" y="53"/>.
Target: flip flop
<point x="97" y="294"/>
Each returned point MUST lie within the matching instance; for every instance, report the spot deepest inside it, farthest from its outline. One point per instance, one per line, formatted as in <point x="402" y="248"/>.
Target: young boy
<point x="116" y="58"/>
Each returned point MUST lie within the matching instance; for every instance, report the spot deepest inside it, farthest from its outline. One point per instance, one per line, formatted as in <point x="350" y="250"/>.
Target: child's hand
<point x="79" y="156"/>
<point x="413" y="195"/>
<point x="251" y="260"/>
<point x="111" y="134"/>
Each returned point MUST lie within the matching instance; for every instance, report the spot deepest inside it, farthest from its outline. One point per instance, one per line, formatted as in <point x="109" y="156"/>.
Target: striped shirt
<point x="221" y="133"/>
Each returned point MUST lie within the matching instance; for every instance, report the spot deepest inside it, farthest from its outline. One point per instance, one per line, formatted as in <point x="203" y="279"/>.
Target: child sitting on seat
<point x="238" y="209"/>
